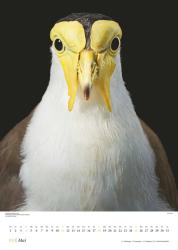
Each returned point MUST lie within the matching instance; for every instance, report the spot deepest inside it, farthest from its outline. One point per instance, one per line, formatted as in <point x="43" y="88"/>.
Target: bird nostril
<point x="86" y="92"/>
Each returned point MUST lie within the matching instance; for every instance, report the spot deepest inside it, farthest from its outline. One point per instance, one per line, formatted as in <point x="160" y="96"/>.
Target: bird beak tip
<point x="86" y="92"/>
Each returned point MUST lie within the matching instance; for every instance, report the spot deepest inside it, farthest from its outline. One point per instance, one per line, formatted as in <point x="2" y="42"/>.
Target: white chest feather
<point x="87" y="159"/>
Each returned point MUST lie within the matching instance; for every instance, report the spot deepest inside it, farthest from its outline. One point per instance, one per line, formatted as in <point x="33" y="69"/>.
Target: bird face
<point x="87" y="61"/>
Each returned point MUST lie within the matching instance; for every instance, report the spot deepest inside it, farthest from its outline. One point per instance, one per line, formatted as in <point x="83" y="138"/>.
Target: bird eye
<point x="115" y="44"/>
<point x="59" y="45"/>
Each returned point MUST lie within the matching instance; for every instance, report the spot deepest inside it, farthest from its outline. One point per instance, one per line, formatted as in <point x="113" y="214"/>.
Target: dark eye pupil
<point x="115" y="44"/>
<point x="58" y="44"/>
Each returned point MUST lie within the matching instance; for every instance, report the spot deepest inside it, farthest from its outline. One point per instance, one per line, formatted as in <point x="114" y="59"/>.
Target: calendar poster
<point x="88" y="125"/>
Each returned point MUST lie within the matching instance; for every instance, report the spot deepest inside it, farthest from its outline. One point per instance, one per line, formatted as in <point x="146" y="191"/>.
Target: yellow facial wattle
<point x="87" y="66"/>
<point x="72" y="35"/>
<point x="102" y="33"/>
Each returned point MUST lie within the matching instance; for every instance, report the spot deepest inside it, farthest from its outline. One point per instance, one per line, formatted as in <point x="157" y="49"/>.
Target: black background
<point x="149" y="59"/>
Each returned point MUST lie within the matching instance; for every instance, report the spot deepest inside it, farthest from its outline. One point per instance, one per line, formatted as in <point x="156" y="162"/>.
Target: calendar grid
<point x="142" y="230"/>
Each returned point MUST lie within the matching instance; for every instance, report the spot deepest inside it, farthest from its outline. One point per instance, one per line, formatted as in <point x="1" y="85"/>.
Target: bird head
<point x="86" y="46"/>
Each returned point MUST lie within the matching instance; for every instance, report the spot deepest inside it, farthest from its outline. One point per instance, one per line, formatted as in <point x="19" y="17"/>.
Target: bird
<point x="83" y="147"/>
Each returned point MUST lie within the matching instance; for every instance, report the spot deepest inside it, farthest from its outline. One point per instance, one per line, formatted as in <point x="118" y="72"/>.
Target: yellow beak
<point x="88" y="68"/>
<point x="87" y="71"/>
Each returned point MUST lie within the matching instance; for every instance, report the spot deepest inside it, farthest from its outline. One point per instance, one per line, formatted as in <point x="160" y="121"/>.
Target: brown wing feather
<point x="163" y="170"/>
<point x="11" y="192"/>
